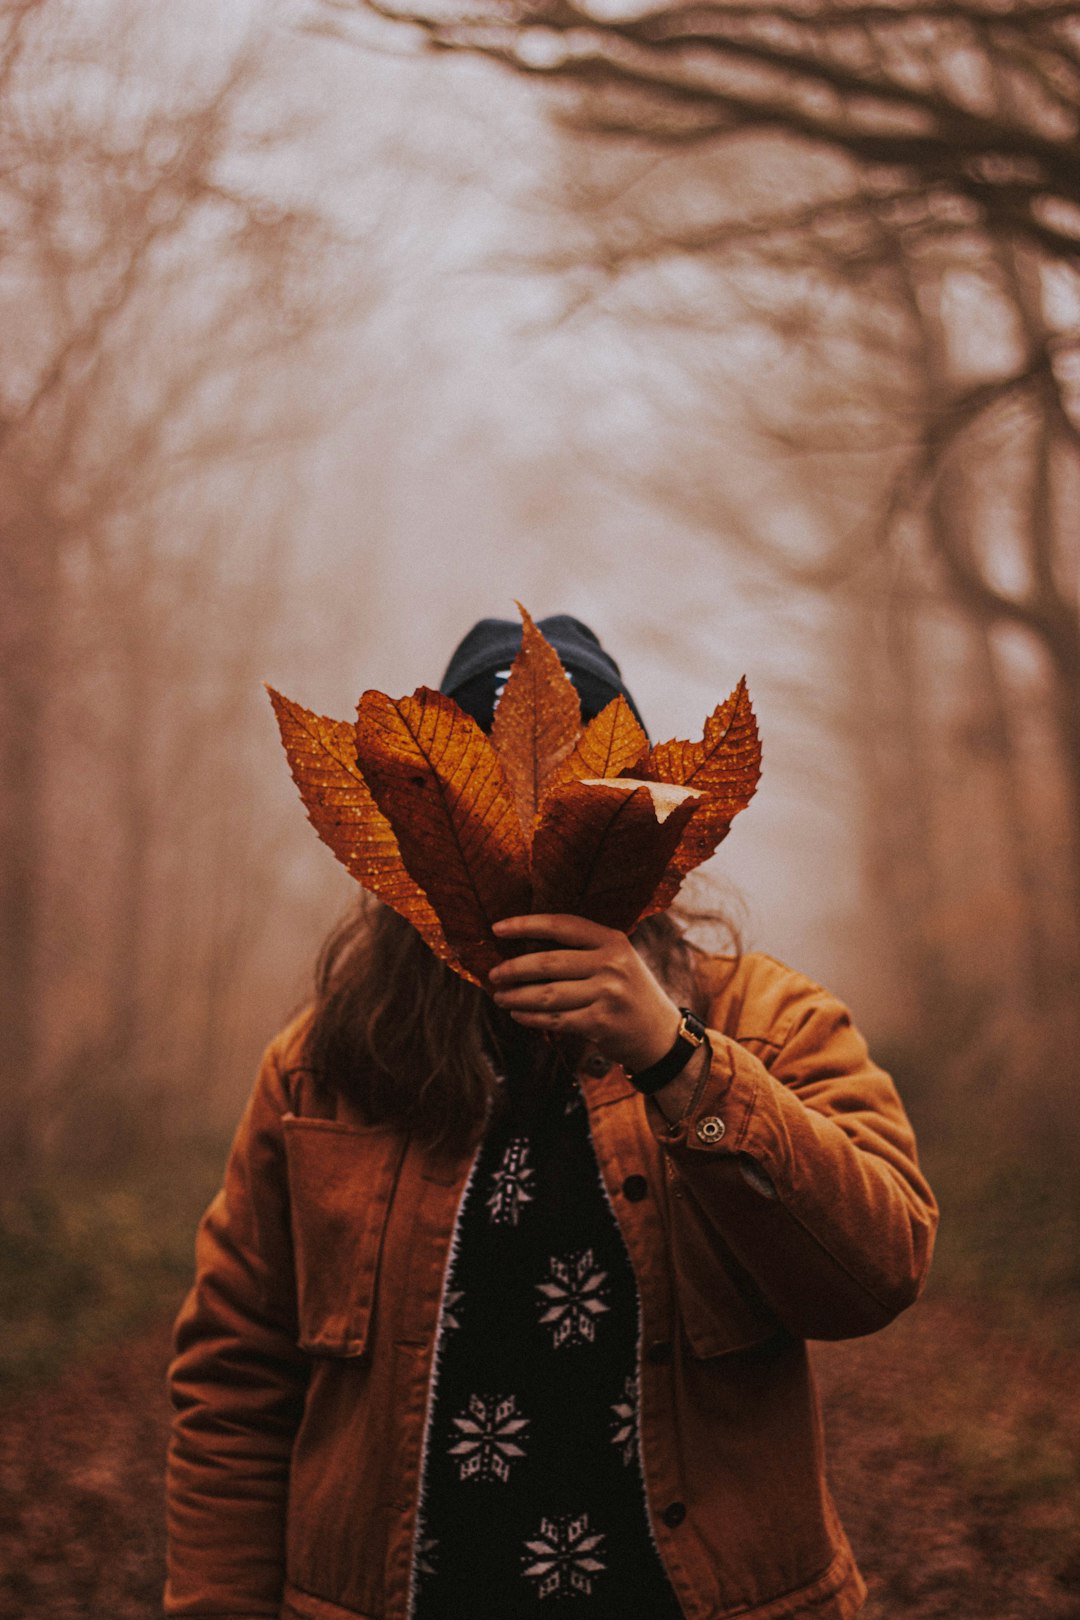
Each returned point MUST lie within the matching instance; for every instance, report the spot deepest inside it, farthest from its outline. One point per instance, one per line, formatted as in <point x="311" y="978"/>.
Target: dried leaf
<point x="726" y="763"/>
<point x="322" y="758"/>
<point x="537" y="721"/>
<point x="726" y="766"/>
<point x="443" y="824"/>
<point x="601" y="847"/>
<point x="702" y="838"/>
<point x="611" y="744"/>
<point x="442" y="786"/>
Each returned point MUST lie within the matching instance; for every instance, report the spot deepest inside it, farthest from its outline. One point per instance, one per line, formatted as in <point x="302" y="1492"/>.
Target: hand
<point x="591" y="983"/>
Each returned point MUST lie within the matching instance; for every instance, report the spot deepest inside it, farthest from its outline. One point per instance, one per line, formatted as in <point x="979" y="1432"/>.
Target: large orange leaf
<point x="322" y="758"/>
<point x="537" y="721"/>
<point x="726" y="763"/>
<point x="455" y="830"/>
<point x="442" y="786"/>
<point x="611" y="744"/>
<point x="701" y="839"/>
<point x="601" y="847"/>
<point x="726" y="766"/>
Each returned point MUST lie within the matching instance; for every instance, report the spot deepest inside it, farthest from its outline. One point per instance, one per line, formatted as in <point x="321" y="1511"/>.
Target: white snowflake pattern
<point x="425" y="1552"/>
<point x="491" y="1429"/>
<point x="573" y="1101"/>
<point x="451" y="1306"/>
<point x="573" y="1294"/>
<point x="510" y="1184"/>
<point x="563" y="1557"/>
<point x="426" y="1549"/>
<point x="624" y="1424"/>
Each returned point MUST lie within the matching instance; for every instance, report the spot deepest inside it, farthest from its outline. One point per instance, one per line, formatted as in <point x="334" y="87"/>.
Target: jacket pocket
<point x="297" y="1605"/>
<point x="720" y="1309"/>
<point x="341" y="1181"/>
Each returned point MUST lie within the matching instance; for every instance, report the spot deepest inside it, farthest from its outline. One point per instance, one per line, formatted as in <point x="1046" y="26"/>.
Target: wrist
<point x="688" y="1041"/>
<point x="655" y="1044"/>
<point x="678" y="1100"/>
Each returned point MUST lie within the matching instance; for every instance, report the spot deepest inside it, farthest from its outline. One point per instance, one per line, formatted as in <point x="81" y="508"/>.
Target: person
<point x="502" y="1310"/>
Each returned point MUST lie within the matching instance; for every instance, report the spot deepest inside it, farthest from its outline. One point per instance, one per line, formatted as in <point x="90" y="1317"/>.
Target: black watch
<point x="691" y="1035"/>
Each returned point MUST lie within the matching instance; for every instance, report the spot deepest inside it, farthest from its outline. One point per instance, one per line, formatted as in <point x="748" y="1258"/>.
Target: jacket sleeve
<point x="802" y="1162"/>
<point x="237" y="1384"/>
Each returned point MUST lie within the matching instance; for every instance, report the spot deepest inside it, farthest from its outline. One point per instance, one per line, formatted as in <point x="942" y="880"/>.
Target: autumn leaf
<point x="612" y="744"/>
<point x="442" y="786"/>
<point x="455" y="830"/>
<point x="710" y="827"/>
<point x="601" y="847"/>
<point x="537" y="721"/>
<point x="726" y="766"/>
<point x="322" y="758"/>
<point x="726" y="763"/>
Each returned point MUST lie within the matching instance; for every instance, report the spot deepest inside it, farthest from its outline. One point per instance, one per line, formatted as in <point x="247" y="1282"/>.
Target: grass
<point x="954" y="1435"/>
<point x="1009" y="1242"/>
<point x="1005" y="1171"/>
<point x="1000" y="1420"/>
<point x="954" y="1449"/>
<point x="83" y="1263"/>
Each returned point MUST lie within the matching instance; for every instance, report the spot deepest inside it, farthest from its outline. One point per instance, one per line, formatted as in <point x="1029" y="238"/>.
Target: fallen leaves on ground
<point x="954" y="1454"/>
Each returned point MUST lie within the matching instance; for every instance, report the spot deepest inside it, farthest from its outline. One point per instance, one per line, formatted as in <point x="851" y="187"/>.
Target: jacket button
<point x="710" y="1129"/>
<point x="660" y="1351"/>
<point x="596" y="1066"/>
<point x="674" y="1514"/>
<point x="635" y="1188"/>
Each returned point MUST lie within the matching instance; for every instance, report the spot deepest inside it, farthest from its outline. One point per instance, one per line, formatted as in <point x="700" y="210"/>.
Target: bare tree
<point x="144" y="273"/>
<point x="955" y="115"/>
<point x="920" y="163"/>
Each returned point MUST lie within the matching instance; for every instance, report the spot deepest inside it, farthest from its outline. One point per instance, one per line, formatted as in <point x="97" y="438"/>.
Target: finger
<point x="570" y="995"/>
<point x="544" y="965"/>
<point x="564" y="929"/>
<point x="561" y="1023"/>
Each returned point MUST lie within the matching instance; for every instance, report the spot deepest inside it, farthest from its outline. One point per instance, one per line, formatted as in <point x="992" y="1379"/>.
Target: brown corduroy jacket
<point x="788" y="1206"/>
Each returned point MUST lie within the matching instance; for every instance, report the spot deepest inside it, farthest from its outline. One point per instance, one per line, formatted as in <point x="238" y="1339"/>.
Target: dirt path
<point x="955" y="1457"/>
<point x="955" y="1461"/>
<point x="80" y="1491"/>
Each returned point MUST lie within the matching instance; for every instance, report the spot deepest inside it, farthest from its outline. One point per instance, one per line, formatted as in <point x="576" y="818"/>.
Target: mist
<point x="320" y="346"/>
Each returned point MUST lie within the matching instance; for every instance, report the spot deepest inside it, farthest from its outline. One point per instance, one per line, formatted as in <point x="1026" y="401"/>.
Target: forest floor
<point x="954" y="1454"/>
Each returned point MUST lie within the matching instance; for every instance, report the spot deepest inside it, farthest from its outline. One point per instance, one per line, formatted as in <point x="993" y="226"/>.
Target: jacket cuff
<point x="724" y="1120"/>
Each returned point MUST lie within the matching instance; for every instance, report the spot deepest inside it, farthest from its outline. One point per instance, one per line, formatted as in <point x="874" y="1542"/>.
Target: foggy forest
<point x="748" y="331"/>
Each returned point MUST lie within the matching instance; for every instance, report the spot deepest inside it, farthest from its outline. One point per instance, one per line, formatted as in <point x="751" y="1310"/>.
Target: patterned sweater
<point x="533" y="1501"/>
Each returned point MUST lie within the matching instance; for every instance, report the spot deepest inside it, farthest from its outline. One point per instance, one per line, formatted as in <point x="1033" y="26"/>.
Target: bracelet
<point x="706" y="1070"/>
<point x="695" y="1095"/>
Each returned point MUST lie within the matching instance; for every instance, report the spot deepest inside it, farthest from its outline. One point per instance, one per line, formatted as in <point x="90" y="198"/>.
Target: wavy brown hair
<point x="412" y="1044"/>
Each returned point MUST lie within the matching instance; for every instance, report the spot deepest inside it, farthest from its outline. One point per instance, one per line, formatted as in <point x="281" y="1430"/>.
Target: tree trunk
<point x="31" y="557"/>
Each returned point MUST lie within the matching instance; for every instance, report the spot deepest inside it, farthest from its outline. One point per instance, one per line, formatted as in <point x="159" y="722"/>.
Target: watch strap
<point x="690" y="1035"/>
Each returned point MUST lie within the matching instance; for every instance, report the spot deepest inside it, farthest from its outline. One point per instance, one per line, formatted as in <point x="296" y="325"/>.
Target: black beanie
<point x="477" y="672"/>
